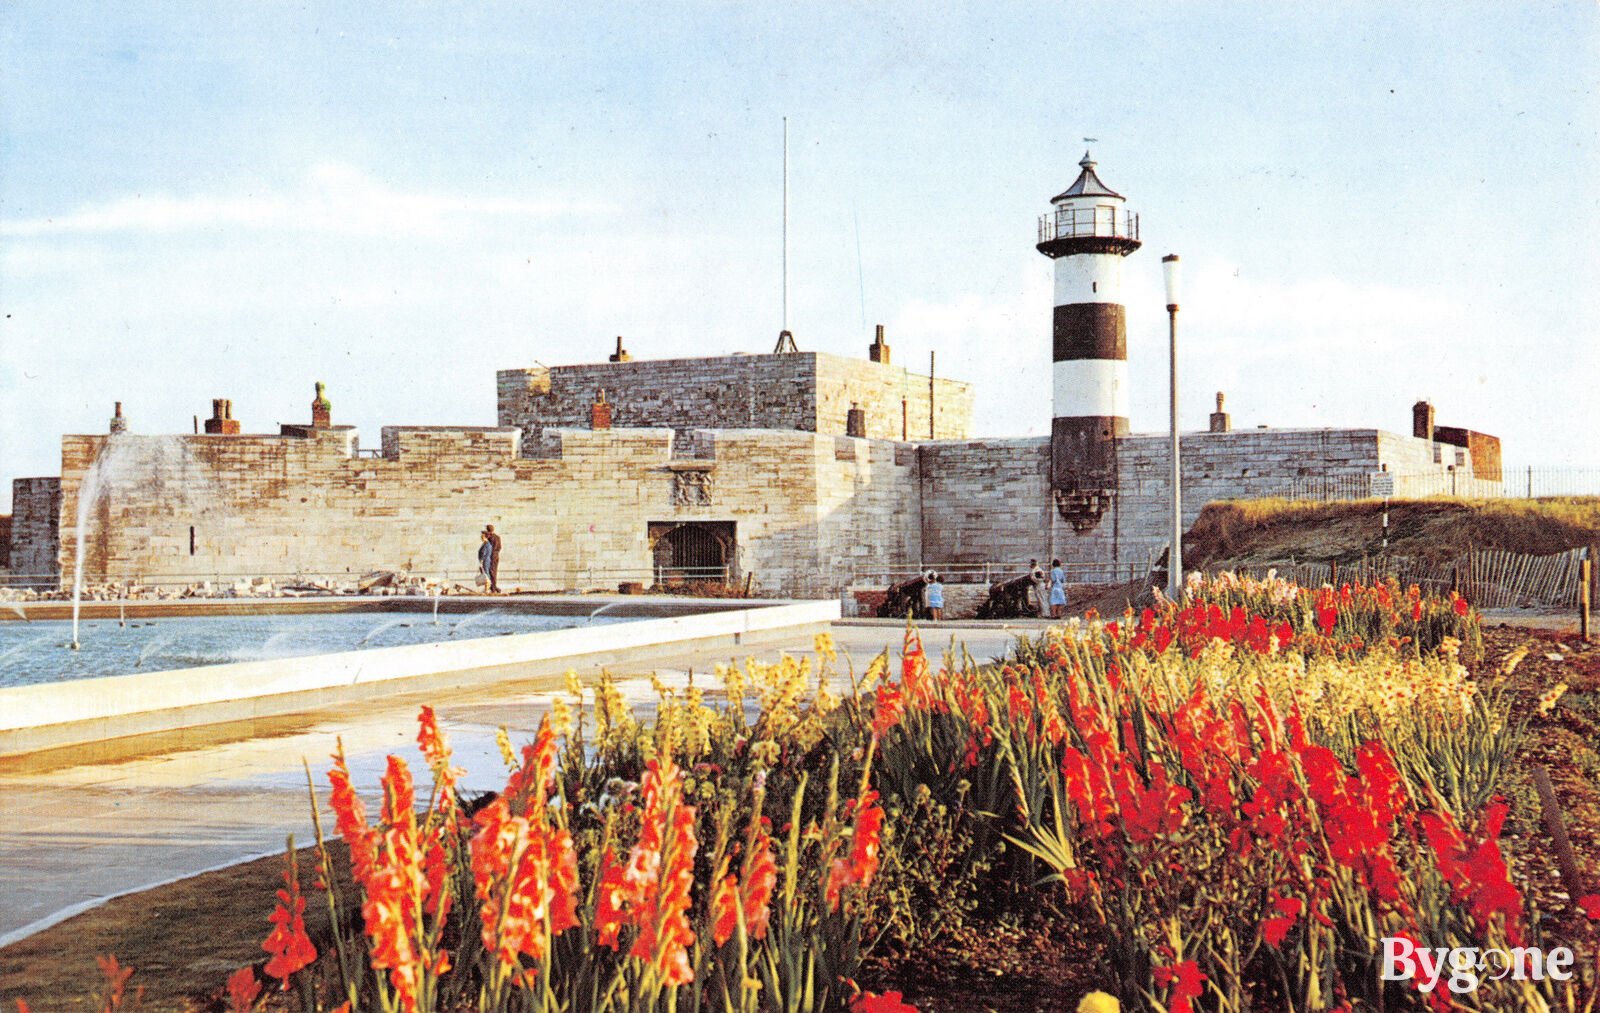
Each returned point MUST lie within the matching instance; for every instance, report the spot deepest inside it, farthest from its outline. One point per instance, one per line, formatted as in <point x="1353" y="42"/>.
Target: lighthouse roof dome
<point x="1087" y="184"/>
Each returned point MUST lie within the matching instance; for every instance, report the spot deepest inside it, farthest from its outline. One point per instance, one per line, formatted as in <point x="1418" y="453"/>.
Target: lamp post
<point x="1169" y="267"/>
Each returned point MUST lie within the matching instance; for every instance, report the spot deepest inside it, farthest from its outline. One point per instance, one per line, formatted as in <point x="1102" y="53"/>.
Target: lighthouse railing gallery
<point x="1101" y="220"/>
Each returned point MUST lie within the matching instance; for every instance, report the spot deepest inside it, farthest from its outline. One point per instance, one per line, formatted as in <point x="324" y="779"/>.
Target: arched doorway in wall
<point x="684" y="551"/>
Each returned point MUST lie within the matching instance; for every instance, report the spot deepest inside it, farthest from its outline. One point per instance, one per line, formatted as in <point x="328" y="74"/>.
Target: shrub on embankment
<point x="1249" y="532"/>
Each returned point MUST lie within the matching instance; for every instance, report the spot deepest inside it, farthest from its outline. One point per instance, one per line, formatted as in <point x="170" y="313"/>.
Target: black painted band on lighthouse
<point x="1091" y="330"/>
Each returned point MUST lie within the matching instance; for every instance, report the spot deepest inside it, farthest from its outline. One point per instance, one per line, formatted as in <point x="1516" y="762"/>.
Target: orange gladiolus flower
<point x="531" y="783"/>
<point x="290" y="947"/>
<point x="651" y="892"/>
<point x="396" y="883"/>
<point x="243" y="988"/>
<point x="862" y="863"/>
<point x="437" y="752"/>
<point x="351" y="820"/>
<point x="116" y="981"/>
<point x="526" y="875"/>
<point x="760" y="874"/>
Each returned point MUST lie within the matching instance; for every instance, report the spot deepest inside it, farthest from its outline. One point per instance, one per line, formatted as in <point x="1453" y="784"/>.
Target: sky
<point x="1373" y="203"/>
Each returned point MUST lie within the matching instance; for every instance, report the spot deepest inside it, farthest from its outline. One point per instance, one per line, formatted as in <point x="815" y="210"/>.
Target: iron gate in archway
<point x="693" y="551"/>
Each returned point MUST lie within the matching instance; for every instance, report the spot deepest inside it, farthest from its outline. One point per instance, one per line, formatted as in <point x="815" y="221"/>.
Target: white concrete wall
<point x="85" y="710"/>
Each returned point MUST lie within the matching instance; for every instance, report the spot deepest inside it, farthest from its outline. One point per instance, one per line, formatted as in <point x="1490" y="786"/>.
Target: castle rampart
<point x="806" y="391"/>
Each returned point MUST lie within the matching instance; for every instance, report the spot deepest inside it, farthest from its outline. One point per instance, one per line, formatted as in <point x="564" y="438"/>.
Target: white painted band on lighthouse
<point x="1096" y="387"/>
<point x="1089" y="277"/>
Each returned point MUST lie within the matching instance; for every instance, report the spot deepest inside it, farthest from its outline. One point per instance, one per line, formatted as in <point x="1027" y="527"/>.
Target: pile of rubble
<point x="379" y="582"/>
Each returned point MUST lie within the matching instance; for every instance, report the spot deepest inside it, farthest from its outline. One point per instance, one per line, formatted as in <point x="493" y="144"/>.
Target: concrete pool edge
<point x="53" y="715"/>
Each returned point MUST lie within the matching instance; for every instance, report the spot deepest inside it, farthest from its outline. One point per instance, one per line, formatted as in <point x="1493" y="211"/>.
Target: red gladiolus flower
<point x="1327" y="618"/>
<point x="1163" y="638"/>
<point x="288" y="943"/>
<point x="1187" y="984"/>
<point x="243" y="988"/>
<point x="1461" y="606"/>
<point x="1287" y="912"/>
<point x="1590" y="904"/>
<point x="396" y="884"/>
<point x="1477" y="873"/>
<point x="888" y="1002"/>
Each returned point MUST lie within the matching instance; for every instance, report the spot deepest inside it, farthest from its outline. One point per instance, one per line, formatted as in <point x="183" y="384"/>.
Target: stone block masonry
<point x="989" y="500"/>
<point x="807" y="391"/>
<point x="35" y="520"/>
<point x="986" y="501"/>
<point x="579" y="513"/>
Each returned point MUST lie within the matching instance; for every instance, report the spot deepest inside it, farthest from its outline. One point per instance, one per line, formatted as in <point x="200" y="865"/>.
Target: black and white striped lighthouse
<point x="1087" y="232"/>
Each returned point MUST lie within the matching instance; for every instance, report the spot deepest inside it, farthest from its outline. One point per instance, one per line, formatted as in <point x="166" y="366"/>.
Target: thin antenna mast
<point x="785" y="339"/>
<point x="786" y="223"/>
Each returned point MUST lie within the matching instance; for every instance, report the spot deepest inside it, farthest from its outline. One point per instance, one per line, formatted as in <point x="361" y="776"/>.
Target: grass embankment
<point x="1258" y="532"/>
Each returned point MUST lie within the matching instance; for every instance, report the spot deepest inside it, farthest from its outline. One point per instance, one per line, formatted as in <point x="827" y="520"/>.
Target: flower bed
<point x="1235" y="801"/>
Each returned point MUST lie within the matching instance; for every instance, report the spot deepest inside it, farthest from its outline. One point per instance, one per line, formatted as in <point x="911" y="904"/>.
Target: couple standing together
<point x="489" y="559"/>
<point x="1054" y="592"/>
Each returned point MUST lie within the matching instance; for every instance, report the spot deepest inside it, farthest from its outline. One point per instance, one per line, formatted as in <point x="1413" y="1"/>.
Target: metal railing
<point x="1515" y="483"/>
<point x="591" y="576"/>
<point x="1102" y="221"/>
<point x="992" y="572"/>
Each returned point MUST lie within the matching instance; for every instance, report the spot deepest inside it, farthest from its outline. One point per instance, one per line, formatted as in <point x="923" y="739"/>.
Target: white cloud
<point x="330" y="199"/>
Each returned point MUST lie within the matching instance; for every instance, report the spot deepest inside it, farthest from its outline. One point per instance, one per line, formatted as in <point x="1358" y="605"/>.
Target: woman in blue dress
<point x="934" y="595"/>
<point x="1058" y="590"/>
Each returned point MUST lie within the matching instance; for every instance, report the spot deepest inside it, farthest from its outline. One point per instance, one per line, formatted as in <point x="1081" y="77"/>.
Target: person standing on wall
<point x="1058" y="590"/>
<point x="494" y="558"/>
<point x="485" y="557"/>
<point x="1041" y="593"/>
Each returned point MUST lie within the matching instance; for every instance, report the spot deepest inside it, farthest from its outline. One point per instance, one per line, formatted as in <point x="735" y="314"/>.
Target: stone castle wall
<point x="35" y="514"/>
<point x="807" y="391"/>
<point x="578" y="508"/>
<point x="577" y="514"/>
<point x="986" y="501"/>
<point x="990" y="501"/>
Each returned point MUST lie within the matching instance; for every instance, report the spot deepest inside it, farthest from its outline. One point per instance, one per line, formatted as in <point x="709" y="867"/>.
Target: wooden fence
<point x="1489" y="578"/>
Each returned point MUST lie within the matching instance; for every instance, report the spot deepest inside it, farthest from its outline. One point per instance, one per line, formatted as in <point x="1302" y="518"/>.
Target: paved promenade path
<point x="75" y="834"/>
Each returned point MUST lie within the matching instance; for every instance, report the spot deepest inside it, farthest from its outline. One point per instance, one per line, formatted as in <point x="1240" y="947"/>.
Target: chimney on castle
<point x="321" y="408"/>
<point x="855" y="421"/>
<point x="621" y="354"/>
<point x="878" y="351"/>
<point x="1422" y="420"/>
<point x="118" y="423"/>
<point x="222" y="422"/>
<point x="600" y="412"/>
<point x="1220" y="423"/>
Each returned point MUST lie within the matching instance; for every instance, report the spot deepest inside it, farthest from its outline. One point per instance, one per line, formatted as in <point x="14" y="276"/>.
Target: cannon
<point x="902" y="598"/>
<point x="1010" y="599"/>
